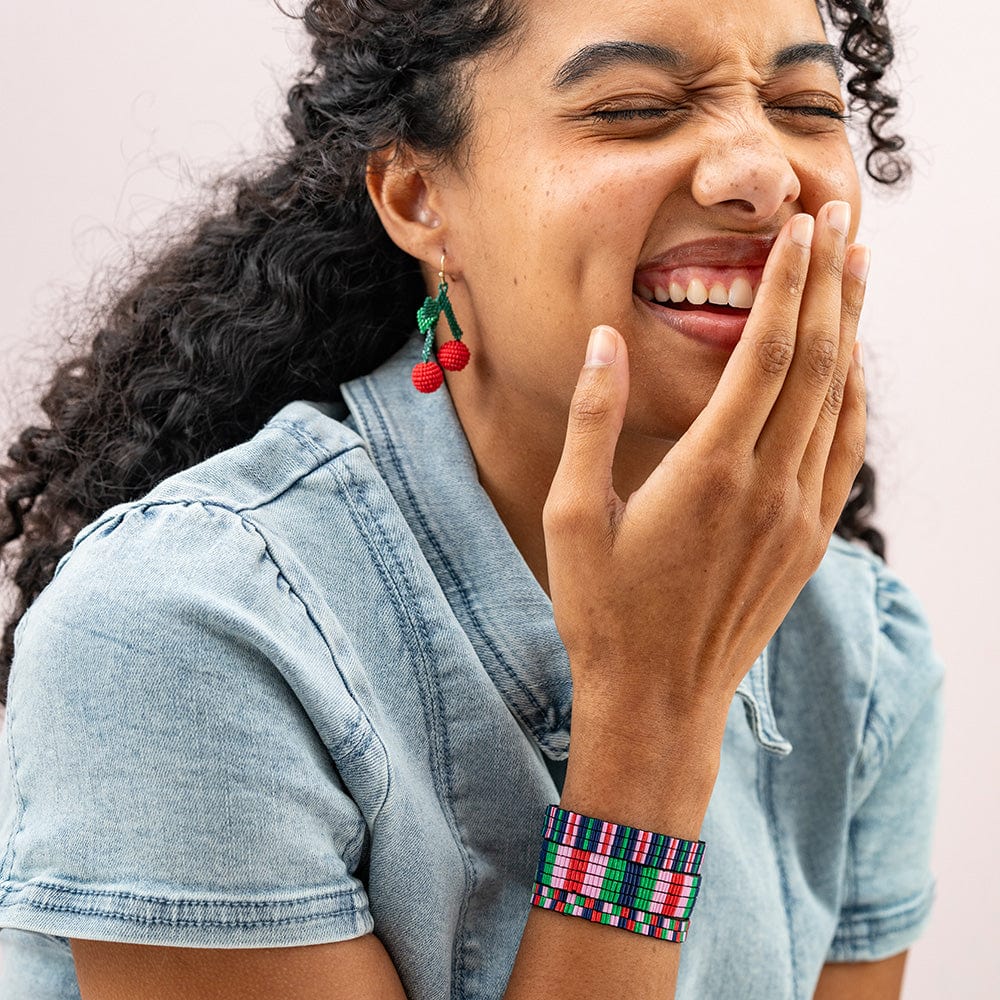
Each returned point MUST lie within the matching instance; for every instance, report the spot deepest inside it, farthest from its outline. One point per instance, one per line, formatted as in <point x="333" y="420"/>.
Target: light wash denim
<point x="309" y="688"/>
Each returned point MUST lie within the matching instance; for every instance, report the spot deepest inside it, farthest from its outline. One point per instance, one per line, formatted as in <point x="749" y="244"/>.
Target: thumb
<point x="596" y="413"/>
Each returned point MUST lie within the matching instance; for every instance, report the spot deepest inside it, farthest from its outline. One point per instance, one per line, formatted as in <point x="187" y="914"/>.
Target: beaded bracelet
<point x="572" y="859"/>
<point x="630" y="884"/>
<point x="602" y="906"/>
<point x="626" y="842"/>
<point x="618" y="875"/>
<point x="599" y="913"/>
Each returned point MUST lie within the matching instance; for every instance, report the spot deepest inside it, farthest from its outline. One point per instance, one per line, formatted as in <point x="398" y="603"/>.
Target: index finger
<point x="756" y="370"/>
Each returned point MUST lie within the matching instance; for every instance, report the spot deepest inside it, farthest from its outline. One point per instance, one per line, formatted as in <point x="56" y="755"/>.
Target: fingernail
<point x="802" y="230"/>
<point x="859" y="262"/>
<point x="602" y="347"/>
<point x="839" y="216"/>
<point x="859" y="354"/>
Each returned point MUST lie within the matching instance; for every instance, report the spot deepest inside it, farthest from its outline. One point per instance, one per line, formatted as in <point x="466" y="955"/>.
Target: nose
<point x="745" y="170"/>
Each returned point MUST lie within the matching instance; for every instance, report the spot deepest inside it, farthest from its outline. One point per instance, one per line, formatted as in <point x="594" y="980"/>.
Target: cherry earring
<point x="453" y="354"/>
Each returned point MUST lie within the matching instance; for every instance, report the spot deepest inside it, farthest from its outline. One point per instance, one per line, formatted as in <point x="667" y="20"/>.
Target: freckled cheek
<point x="837" y="179"/>
<point x="605" y="202"/>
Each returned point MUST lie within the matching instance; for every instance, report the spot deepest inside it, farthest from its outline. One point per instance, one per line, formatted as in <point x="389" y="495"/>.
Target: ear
<point x="404" y="197"/>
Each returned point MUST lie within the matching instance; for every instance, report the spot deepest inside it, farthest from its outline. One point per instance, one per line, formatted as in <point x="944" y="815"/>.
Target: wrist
<point x="650" y="769"/>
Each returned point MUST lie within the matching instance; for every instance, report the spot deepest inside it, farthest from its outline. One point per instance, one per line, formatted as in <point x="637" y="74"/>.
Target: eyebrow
<point x="805" y="52"/>
<point x="594" y="59"/>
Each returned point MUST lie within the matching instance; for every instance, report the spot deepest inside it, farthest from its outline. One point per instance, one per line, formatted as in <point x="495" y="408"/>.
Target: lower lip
<point x="709" y="328"/>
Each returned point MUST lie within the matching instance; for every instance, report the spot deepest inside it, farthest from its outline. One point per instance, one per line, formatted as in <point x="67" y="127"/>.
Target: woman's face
<point x="621" y="147"/>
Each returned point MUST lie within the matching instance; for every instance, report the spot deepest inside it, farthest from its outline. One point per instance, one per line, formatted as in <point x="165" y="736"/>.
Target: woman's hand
<point x="664" y="601"/>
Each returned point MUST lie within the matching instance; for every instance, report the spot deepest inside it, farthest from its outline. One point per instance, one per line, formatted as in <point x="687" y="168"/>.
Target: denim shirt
<point x="309" y="688"/>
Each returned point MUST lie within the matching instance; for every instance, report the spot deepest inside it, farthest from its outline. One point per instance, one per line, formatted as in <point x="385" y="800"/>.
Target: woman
<point x="289" y="718"/>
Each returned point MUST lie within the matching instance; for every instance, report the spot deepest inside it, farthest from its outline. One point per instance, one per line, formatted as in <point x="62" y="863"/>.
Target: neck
<point x="517" y="449"/>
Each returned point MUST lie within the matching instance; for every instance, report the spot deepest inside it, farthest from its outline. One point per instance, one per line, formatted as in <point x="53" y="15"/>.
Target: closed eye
<point x="812" y="109"/>
<point x="632" y="114"/>
<point x="644" y="114"/>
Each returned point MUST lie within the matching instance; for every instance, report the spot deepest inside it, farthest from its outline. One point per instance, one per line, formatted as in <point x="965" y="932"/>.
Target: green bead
<point x="429" y="314"/>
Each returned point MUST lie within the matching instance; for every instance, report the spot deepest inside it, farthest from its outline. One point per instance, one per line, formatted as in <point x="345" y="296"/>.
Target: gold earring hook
<point x="441" y="269"/>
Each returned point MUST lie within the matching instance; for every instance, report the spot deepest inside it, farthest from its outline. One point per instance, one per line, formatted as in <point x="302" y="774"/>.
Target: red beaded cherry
<point x="427" y="376"/>
<point x="453" y="355"/>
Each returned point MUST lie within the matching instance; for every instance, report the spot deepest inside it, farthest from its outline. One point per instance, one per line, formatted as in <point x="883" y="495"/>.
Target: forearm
<point x="654" y="776"/>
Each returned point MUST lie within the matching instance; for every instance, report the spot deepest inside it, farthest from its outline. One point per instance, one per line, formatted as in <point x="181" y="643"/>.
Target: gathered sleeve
<point x="161" y="781"/>
<point x="889" y="882"/>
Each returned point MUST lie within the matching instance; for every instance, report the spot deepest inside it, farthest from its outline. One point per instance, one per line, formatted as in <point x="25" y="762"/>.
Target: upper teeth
<point x="740" y="294"/>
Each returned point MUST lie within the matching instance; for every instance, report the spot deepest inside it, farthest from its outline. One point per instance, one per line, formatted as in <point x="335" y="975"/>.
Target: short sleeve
<point x="889" y="885"/>
<point x="161" y="781"/>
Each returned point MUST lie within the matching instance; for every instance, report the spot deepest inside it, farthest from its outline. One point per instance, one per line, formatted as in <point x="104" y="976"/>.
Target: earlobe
<point x="402" y="196"/>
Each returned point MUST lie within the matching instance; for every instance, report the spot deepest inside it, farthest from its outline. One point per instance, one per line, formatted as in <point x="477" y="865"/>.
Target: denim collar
<point x="418" y="446"/>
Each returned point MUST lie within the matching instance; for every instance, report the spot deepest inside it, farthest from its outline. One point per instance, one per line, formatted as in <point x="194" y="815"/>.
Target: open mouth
<point x="705" y="302"/>
<point x="704" y="289"/>
<point x="707" y="289"/>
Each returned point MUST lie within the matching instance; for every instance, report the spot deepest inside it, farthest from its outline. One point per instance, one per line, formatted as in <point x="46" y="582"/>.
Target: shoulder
<point x="206" y="591"/>
<point x="175" y="658"/>
<point x="884" y="634"/>
<point x="234" y="503"/>
<point x="232" y="540"/>
<point x="855" y="591"/>
<point x="302" y="440"/>
<point x="869" y="593"/>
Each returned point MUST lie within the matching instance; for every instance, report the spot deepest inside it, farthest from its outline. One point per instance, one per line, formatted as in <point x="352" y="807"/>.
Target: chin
<point x="649" y="422"/>
<point x="666" y="411"/>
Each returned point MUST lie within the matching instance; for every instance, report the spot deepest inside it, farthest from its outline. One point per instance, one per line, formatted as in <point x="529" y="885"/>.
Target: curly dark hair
<point x="293" y="286"/>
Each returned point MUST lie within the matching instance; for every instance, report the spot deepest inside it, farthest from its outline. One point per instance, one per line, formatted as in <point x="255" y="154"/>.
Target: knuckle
<point x="832" y="266"/>
<point x="834" y="396"/>
<point x="821" y="359"/>
<point x="851" y="305"/>
<point x="806" y="523"/>
<point x="589" y="410"/>
<point x="561" y="515"/>
<point x="723" y="481"/>
<point x="774" y="352"/>
<point x="818" y="549"/>
<point x="769" y="510"/>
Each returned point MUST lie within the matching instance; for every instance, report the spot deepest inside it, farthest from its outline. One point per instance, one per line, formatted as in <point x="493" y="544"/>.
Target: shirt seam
<point x="293" y="429"/>
<point x="865" y="927"/>
<point x="458" y="962"/>
<point x="250" y="525"/>
<point x="359" y="743"/>
<point x="71" y="890"/>
<point x="442" y="556"/>
<point x="193" y="922"/>
<point x="767" y="784"/>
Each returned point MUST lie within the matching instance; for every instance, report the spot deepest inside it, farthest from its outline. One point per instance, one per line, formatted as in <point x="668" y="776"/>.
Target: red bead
<point x="453" y="355"/>
<point x="427" y="377"/>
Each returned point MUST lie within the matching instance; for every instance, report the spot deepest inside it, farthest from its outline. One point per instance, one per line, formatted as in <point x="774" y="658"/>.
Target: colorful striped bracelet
<point x="594" y="911"/>
<point x="587" y="863"/>
<point x="602" y="906"/>
<point x="677" y="909"/>
<point x="652" y="902"/>
<point x="648" y="888"/>
<point x="617" y="875"/>
<point x="563" y="826"/>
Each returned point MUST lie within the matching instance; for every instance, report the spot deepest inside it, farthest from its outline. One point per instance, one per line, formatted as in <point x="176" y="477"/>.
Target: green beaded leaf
<point x="456" y="330"/>
<point x="429" y="313"/>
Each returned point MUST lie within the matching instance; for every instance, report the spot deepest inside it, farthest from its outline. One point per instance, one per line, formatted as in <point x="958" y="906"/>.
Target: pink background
<point x="113" y="110"/>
